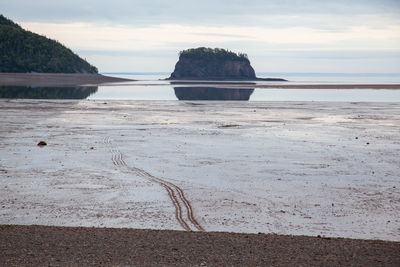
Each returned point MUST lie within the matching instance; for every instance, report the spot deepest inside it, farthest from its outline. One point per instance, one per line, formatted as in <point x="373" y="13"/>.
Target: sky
<point x="353" y="36"/>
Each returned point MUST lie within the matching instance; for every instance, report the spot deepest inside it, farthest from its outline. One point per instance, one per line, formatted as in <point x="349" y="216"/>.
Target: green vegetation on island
<point x="23" y="51"/>
<point x="206" y="54"/>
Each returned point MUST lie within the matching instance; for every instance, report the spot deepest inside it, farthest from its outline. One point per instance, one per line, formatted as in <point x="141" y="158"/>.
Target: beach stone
<point x="42" y="143"/>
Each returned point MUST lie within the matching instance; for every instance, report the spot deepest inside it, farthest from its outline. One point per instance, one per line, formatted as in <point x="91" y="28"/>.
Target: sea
<point x="152" y="86"/>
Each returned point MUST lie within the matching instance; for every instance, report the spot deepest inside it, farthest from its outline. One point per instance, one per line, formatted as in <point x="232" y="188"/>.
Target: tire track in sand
<point x="175" y="193"/>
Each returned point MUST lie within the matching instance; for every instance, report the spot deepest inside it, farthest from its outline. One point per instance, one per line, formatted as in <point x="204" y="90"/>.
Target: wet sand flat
<point x="292" y="168"/>
<point x="55" y="79"/>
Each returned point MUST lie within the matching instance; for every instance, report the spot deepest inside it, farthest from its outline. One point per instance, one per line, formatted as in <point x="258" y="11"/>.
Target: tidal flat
<point x="292" y="168"/>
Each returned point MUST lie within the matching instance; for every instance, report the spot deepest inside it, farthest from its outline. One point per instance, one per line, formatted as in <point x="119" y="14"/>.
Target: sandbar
<point x="55" y="79"/>
<point x="267" y="86"/>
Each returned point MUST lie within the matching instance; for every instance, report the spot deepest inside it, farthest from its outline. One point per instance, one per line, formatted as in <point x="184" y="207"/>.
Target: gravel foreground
<point x="77" y="246"/>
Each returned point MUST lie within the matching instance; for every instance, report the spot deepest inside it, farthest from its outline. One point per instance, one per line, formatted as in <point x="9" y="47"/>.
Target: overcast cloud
<point x="205" y="12"/>
<point x="297" y="35"/>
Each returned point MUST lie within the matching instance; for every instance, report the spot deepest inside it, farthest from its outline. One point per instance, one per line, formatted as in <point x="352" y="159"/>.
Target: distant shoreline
<point x="227" y="79"/>
<point x="321" y="86"/>
<point x="79" y="79"/>
<point x="56" y="79"/>
<point x="250" y="85"/>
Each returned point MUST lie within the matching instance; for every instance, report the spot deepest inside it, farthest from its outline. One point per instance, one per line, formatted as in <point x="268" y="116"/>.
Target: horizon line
<point x="266" y="72"/>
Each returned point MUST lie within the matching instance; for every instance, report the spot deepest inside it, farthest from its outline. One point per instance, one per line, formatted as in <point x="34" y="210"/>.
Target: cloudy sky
<point x="344" y="36"/>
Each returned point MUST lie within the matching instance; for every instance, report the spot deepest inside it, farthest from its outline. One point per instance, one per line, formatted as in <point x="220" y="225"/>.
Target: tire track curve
<point x="175" y="193"/>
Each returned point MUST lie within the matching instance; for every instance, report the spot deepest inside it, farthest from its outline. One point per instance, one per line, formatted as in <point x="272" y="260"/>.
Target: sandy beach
<point x="200" y="133"/>
<point x="55" y="79"/>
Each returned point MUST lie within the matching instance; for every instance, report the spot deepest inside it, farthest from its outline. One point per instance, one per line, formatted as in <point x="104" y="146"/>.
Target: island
<point x="214" y="64"/>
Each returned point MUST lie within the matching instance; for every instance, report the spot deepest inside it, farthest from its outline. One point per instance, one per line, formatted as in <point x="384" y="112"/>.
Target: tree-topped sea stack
<point x="213" y="64"/>
<point x="24" y="51"/>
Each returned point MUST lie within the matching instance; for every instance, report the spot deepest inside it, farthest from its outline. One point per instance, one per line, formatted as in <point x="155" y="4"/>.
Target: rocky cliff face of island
<point x="212" y="64"/>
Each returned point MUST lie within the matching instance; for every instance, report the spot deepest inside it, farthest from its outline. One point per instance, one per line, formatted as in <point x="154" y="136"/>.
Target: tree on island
<point x="206" y="53"/>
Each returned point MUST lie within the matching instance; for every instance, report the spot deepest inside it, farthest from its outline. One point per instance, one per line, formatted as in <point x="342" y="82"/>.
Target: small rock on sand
<point x="42" y="143"/>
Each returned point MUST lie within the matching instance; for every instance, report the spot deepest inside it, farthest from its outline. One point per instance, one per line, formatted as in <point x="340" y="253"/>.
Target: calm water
<point x="163" y="90"/>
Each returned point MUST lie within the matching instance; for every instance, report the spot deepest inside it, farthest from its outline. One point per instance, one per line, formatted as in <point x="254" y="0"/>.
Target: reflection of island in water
<point x="213" y="93"/>
<point x="46" y="92"/>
